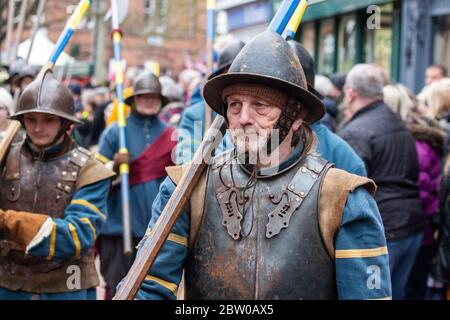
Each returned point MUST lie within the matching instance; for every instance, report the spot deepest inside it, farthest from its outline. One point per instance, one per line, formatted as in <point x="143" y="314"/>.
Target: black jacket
<point x="388" y="150"/>
<point x="441" y="266"/>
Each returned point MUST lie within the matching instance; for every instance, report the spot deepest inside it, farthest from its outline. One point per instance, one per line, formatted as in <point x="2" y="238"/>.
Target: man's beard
<point x="255" y="146"/>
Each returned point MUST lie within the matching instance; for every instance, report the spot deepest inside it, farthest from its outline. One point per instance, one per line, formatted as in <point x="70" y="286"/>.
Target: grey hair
<point x="366" y="80"/>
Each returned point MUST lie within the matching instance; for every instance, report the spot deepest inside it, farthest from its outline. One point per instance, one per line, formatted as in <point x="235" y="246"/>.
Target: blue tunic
<point x="141" y="132"/>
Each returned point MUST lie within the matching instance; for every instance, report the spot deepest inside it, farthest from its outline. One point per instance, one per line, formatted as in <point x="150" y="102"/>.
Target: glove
<point x="120" y="158"/>
<point x="2" y="220"/>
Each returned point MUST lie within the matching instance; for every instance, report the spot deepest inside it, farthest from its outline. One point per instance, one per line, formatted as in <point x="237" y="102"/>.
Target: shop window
<point x="327" y="47"/>
<point x="347" y="43"/>
<point x="308" y="37"/>
<point x="378" y="48"/>
<point x="441" y="47"/>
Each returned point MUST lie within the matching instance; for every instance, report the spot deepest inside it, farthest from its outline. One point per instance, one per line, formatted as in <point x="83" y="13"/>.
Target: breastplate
<point x="262" y="241"/>
<point x="37" y="186"/>
<point x="40" y="186"/>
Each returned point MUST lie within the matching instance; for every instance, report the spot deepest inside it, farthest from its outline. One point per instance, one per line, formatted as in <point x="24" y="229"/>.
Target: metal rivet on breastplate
<point x="303" y="169"/>
<point x="74" y="154"/>
<point x="74" y="173"/>
<point x="83" y="159"/>
<point x="225" y="166"/>
<point x="291" y="187"/>
<point x="220" y="196"/>
<point x="58" y="197"/>
<point x="59" y="185"/>
<point x="67" y="188"/>
<point x="64" y="173"/>
<point x="314" y="176"/>
<point x="302" y="194"/>
<point x="297" y="199"/>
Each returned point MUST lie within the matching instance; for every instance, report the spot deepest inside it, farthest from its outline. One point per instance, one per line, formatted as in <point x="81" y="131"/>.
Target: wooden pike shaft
<point x="10" y="133"/>
<point x="171" y="213"/>
<point x="39" y="12"/>
<point x="9" y="29"/>
<point x="19" y="31"/>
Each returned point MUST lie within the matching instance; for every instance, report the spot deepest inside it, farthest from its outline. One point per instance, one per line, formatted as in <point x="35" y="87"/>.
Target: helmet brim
<point x="130" y="100"/>
<point x="219" y="71"/>
<point x="212" y="92"/>
<point x="17" y="115"/>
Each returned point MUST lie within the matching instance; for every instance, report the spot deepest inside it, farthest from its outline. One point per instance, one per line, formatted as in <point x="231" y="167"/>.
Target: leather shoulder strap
<point x="197" y="199"/>
<point x="91" y="172"/>
<point x="334" y="192"/>
<point x="12" y="164"/>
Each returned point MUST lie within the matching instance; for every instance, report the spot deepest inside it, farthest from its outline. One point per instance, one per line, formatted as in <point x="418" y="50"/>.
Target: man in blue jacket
<point x="290" y="228"/>
<point x="150" y="143"/>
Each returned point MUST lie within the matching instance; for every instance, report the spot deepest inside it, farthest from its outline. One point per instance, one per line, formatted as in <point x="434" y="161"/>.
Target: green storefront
<point x="341" y="33"/>
<point x="402" y="36"/>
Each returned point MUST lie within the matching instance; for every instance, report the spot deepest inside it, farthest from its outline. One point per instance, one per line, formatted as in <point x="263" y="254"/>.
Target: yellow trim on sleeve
<point x="385" y="298"/>
<point x="86" y="220"/>
<point x="76" y="240"/>
<point x="172" y="287"/>
<point x="172" y="237"/>
<point x="51" y="251"/>
<point x="178" y="239"/>
<point x="102" y="158"/>
<point x="85" y="203"/>
<point x="361" y="253"/>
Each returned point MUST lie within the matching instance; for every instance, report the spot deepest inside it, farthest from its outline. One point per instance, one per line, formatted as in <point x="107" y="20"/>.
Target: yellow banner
<point x="294" y="23"/>
<point x="79" y="13"/>
<point x="210" y="4"/>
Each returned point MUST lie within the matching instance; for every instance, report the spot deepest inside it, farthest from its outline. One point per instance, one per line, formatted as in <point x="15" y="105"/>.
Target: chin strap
<point x="284" y="124"/>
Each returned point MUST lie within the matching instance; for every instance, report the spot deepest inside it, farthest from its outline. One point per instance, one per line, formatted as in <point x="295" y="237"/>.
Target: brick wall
<point x="135" y="46"/>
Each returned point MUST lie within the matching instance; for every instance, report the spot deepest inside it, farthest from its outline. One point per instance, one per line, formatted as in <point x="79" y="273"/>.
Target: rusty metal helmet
<point x="267" y="60"/>
<point x="46" y="95"/>
<point x="226" y="56"/>
<point x="145" y="83"/>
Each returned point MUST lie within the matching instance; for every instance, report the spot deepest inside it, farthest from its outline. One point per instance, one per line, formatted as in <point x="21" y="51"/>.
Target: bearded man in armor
<point x="52" y="202"/>
<point x="269" y="218"/>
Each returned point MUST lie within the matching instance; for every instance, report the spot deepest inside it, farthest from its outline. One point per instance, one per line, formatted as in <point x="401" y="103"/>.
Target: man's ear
<point x="298" y="123"/>
<point x="350" y="95"/>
